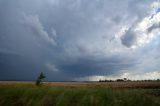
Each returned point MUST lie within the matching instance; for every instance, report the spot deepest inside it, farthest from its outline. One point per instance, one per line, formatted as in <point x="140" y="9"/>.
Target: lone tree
<point x="40" y="79"/>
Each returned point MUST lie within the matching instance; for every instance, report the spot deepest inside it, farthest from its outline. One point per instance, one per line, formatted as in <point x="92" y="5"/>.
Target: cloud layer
<point x="79" y="39"/>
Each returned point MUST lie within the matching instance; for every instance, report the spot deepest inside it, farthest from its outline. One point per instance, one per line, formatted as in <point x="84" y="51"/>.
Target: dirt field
<point x="152" y="84"/>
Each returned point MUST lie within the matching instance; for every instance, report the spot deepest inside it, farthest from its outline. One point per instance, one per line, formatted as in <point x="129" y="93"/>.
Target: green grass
<point x="30" y="95"/>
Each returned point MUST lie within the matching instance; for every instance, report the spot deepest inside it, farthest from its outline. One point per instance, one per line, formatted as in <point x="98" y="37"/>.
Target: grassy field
<point x="80" y="94"/>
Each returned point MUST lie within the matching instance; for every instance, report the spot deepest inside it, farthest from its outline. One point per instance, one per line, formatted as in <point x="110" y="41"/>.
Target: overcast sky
<point x="79" y="39"/>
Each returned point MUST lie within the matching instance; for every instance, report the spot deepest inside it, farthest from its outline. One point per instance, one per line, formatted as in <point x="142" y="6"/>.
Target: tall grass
<point x="30" y="95"/>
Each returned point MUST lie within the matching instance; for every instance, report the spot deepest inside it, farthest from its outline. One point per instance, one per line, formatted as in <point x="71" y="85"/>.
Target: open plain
<point x="17" y="93"/>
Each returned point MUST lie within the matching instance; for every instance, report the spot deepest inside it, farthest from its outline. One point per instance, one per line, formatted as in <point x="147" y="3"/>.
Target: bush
<point x="119" y="80"/>
<point x="40" y="79"/>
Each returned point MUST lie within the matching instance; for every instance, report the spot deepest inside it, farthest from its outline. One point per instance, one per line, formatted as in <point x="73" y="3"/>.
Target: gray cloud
<point x="5" y="51"/>
<point x="68" y="39"/>
<point x="35" y="25"/>
<point x="129" y="38"/>
<point x="140" y="32"/>
<point x="51" y="67"/>
<point x="153" y="27"/>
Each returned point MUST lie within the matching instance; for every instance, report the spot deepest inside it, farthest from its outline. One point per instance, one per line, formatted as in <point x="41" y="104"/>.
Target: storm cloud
<point x="78" y="39"/>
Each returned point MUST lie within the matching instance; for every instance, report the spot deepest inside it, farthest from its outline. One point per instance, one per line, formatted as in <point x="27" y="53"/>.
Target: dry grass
<point x="79" y="94"/>
<point x="152" y="84"/>
<point x="105" y="84"/>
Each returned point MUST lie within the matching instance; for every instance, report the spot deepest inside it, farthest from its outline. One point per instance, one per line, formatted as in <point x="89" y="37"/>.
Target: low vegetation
<point x="27" y="94"/>
<point x="128" y="80"/>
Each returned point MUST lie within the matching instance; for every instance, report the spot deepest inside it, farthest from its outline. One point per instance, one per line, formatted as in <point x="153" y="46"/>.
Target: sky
<point x="79" y="40"/>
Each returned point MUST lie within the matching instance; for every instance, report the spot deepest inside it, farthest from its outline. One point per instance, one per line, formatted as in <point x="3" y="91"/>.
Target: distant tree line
<point x="127" y="80"/>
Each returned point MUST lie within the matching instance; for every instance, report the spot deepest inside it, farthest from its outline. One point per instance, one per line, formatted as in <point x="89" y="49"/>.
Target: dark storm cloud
<point x="67" y="38"/>
<point x="153" y="27"/>
<point x="129" y="38"/>
<point x="84" y="65"/>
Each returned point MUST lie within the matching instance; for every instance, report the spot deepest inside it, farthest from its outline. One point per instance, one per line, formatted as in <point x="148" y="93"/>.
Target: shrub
<point x="40" y="79"/>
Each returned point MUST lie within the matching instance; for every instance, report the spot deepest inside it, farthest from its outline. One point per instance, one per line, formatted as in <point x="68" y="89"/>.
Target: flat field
<point x="13" y="93"/>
